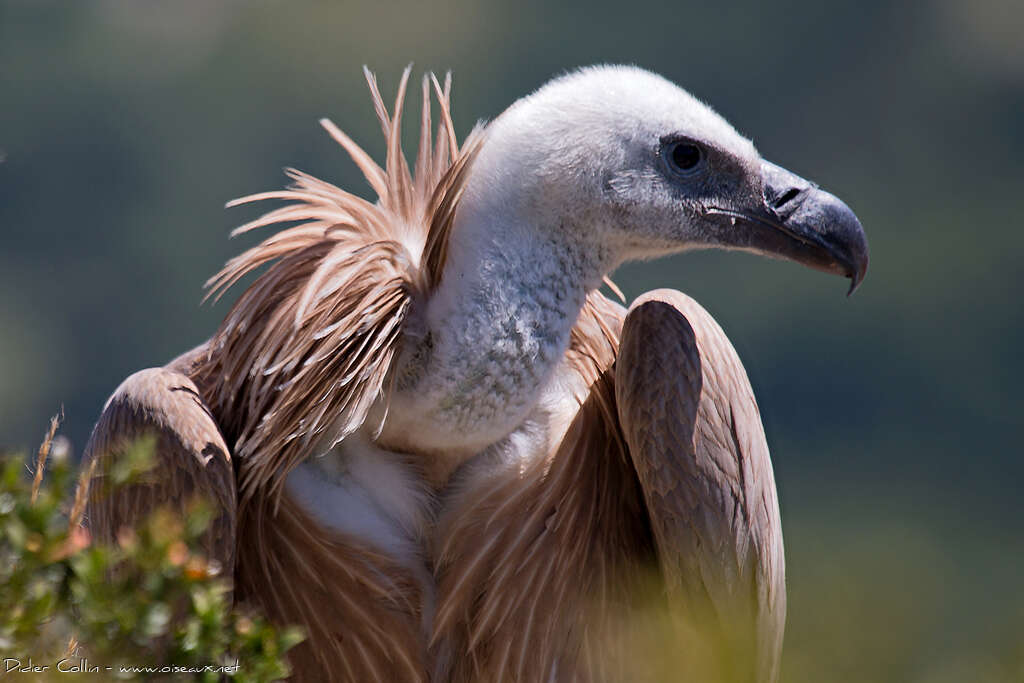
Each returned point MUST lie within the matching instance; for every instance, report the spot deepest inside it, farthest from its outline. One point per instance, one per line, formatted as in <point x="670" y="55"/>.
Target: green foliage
<point x="150" y="600"/>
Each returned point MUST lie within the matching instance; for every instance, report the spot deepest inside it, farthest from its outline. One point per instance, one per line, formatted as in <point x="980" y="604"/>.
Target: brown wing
<point x="191" y="459"/>
<point x="694" y="434"/>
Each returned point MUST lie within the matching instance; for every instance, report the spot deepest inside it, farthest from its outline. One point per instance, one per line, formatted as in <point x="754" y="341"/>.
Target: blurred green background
<point x="894" y="416"/>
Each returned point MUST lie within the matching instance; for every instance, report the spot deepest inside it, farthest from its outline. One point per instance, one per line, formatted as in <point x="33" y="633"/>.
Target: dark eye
<point x="684" y="157"/>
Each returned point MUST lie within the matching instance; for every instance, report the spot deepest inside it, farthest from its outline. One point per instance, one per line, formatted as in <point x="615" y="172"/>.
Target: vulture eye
<point x="683" y="156"/>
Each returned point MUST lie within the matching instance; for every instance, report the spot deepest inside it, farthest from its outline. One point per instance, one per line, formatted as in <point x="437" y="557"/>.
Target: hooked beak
<point x="799" y="221"/>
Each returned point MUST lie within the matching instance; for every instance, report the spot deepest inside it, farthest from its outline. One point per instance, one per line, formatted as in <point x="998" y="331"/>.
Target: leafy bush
<point x="148" y="606"/>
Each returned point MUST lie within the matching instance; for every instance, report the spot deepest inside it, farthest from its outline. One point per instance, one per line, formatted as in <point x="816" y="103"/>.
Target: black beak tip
<point x="854" y="283"/>
<point x="857" y="264"/>
<point x="845" y="235"/>
<point x="857" y="275"/>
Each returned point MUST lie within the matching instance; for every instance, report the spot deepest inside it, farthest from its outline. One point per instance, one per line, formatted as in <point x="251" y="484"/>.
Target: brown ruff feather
<point x="305" y="352"/>
<point x="299" y="362"/>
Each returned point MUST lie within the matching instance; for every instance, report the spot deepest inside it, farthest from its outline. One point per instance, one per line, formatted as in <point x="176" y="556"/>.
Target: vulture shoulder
<point x="191" y="459"/>
<point x="695" y="438"/>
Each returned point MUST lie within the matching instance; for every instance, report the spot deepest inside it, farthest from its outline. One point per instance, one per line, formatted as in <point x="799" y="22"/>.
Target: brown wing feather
<point x="695" y="438"/>
<point x="191" y="459"/>
<point x="533" y="564"/>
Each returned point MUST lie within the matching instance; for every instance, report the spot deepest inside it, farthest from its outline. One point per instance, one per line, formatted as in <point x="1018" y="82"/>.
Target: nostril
<point x="786" y="197"/>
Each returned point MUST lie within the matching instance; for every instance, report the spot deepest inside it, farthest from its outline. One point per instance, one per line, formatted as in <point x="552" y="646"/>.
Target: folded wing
<point x="191" y="460"/>
<point x="695" y="438"/>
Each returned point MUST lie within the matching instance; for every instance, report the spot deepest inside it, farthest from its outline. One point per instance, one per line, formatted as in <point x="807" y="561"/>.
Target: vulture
<point x="436" y="446"/>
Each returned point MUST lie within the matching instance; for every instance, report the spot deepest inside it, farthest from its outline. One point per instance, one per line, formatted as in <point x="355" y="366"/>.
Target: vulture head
<point x="639" y="168"/>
